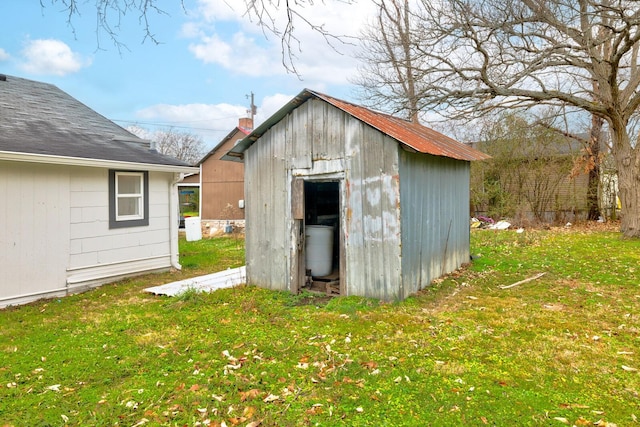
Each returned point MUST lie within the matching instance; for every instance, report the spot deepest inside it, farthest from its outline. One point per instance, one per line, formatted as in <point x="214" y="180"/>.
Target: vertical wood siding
<point x="267" y="231"/>
<point x="435" y="218"/>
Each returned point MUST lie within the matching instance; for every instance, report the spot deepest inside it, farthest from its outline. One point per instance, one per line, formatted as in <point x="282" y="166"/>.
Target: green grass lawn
<point x="563" y="349"/>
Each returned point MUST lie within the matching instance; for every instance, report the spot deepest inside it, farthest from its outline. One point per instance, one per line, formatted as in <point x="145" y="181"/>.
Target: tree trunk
<point x="628" y="165"/>
<point x="593" y="205"/>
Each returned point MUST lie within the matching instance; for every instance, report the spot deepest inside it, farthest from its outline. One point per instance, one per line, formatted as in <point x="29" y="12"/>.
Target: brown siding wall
<point x="222" y="185"/>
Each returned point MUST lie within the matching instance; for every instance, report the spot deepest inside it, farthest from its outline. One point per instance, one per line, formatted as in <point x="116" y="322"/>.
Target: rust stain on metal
<point x="413" y="135"/>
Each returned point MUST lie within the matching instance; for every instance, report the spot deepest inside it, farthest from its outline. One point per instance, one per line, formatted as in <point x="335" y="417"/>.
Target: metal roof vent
<point x="3" y="78"/>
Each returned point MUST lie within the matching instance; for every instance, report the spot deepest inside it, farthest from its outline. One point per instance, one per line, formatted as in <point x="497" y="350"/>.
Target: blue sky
<point x="197" y="79"/>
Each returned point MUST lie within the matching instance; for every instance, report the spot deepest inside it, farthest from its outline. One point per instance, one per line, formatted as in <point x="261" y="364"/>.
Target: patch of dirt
<point x="319" y="300"/>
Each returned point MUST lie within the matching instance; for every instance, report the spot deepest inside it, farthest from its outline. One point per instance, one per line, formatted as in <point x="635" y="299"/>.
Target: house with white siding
<point x="350" y="201"/>
<point x="84" y="201"/>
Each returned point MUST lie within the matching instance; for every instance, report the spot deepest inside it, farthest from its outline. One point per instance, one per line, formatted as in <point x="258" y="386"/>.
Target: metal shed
<point x="394" y="194"/>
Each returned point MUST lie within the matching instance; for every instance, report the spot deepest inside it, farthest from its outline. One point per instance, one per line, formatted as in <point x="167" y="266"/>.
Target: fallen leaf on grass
<point x="629" y="369"/>
<point x="561" y="419"/>
<point x="251" y="394"/>
<point x="369" y="365"/>
<point x="271" y="398"/>
<point x="315" y="409"/>
<point x="249" y="412"/>
<point x="237" y="420"/>
<point x="254" y="423"/>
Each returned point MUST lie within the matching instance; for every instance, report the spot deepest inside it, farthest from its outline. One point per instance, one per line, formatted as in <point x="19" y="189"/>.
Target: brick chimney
<point x="246" y="123"/>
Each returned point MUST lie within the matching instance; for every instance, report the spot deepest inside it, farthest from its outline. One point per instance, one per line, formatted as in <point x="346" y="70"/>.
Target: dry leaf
<point x="629" y="369"/>
<point x="561" y="419"/>
<point x="249" y="412"/>
<point x="270" y="398"/>
<point x="237" y="420"/>
<point x="370" y="365"/>
<point x="251" y="394"/>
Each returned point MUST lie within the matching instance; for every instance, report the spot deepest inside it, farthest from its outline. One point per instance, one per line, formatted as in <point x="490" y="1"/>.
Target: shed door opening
<point x="322" y="238"/>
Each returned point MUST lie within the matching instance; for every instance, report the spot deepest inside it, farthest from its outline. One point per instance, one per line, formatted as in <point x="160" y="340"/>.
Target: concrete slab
<point x="210" y="282"/>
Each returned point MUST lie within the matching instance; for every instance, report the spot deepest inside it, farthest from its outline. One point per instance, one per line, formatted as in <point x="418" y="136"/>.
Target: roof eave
<point x="236" y="154"/>
<point x="78" y="161"/>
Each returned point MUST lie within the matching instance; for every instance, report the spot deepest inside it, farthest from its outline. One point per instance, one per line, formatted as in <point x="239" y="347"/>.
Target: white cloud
<point x="48" y="56"/>
<point x="211" y="121"/>
<point x="216" y="10"/>
<point x="248" y="50"/>
<point x="4" y="55"/>
<point x="271" y="104"/>
<point x="254" y="60"/>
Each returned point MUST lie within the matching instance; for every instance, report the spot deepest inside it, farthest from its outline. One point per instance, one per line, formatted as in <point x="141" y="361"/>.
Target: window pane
<point x="129" y="184"/>
<point x="128" y="206"/>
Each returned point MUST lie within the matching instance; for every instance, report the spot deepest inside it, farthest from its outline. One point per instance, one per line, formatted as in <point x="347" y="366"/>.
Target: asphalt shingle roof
<point x="39" y="118"/>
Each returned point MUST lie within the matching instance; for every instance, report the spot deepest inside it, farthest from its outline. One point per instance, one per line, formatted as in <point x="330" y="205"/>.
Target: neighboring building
<point x="84" y="202"/>
<point x="394" y="193"/>
<point x="540" y="180"/>
<point x="220" y="183"/>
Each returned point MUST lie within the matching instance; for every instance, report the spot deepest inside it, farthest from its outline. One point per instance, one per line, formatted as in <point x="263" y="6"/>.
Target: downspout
<point x="200" y="192"/>
<point x="174" y="219"/>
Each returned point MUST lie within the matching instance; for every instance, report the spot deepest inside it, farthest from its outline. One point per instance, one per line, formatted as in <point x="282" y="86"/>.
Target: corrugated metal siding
<point x="373" y="222"/>
<point x="435" y="218"/>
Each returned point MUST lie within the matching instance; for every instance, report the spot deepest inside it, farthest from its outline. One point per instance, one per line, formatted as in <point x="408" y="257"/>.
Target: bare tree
<point x="110" y="15"/>
<point x="490" y="54"/>
<point x="267" y="13"/>
<point x="183" y="146"/>
<point x="388" y="77"/>
<point x="279" y="18"/>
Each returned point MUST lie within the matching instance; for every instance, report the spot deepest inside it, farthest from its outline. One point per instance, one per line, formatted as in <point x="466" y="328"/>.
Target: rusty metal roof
<point x="412" y="136"/>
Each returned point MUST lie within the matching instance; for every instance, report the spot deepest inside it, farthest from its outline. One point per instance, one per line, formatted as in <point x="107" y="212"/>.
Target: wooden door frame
<point x="298" y="264"/>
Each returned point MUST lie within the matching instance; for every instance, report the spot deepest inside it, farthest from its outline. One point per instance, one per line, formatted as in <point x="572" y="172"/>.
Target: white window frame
<point x="139" y="196"/>
<point x="121" y="221"/>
